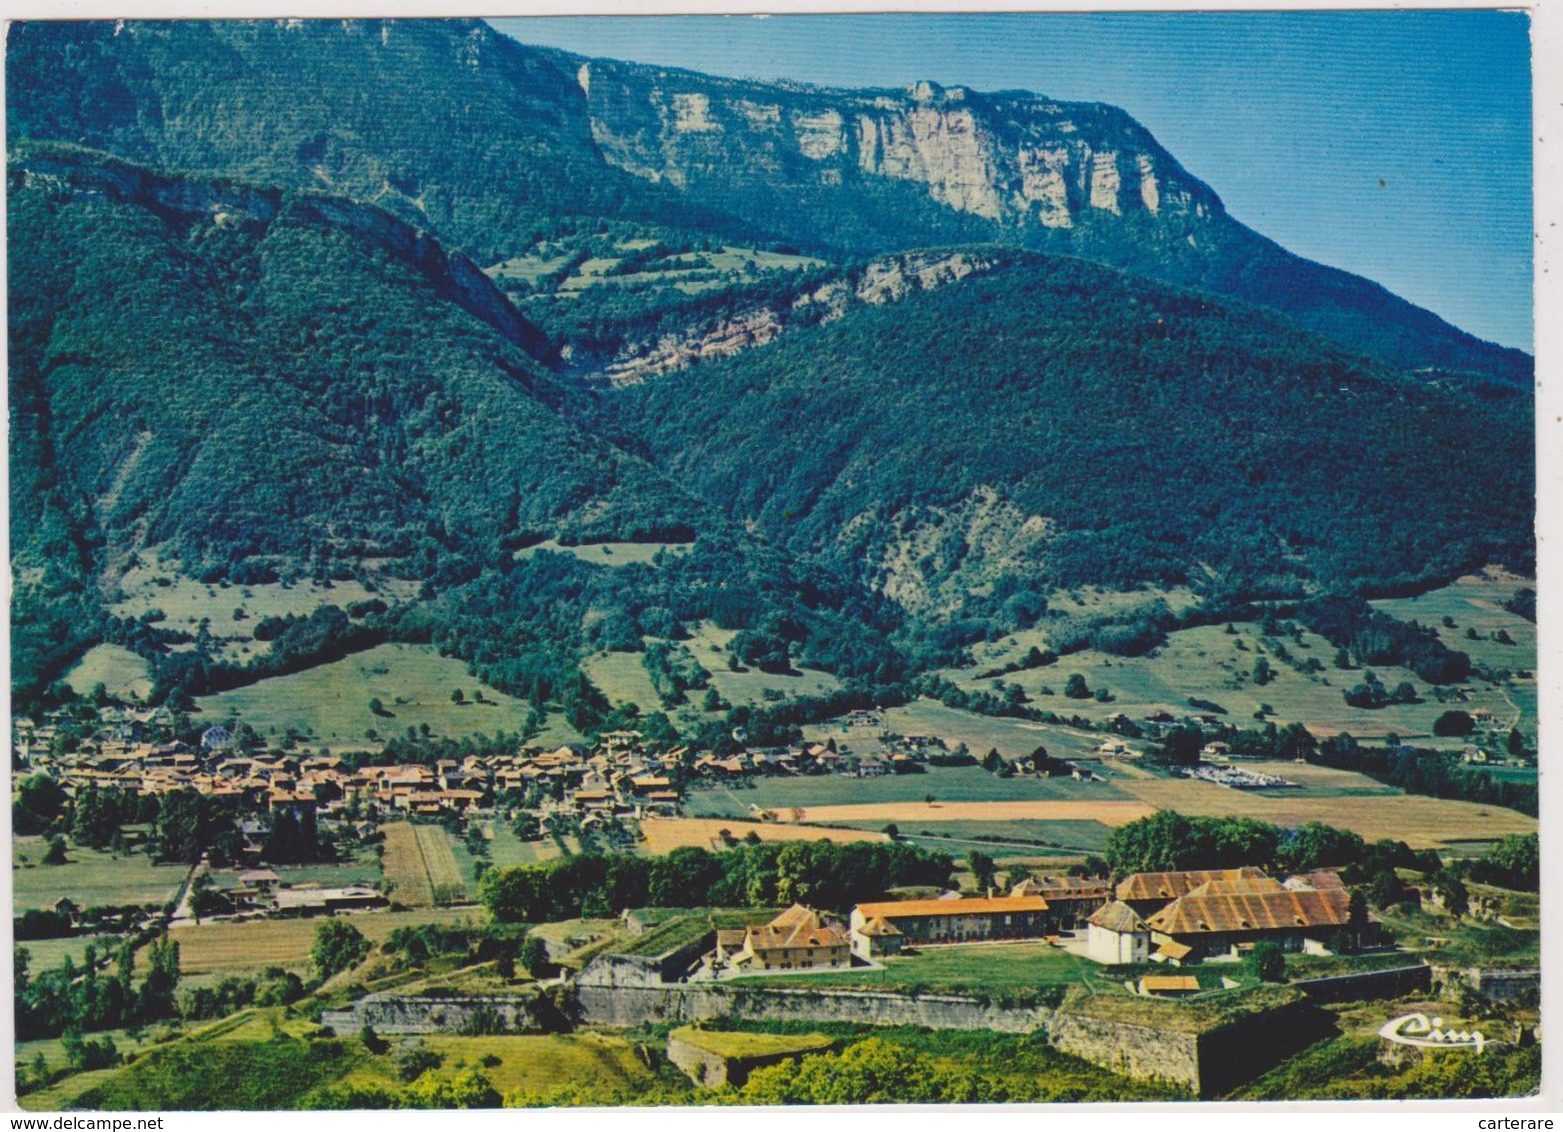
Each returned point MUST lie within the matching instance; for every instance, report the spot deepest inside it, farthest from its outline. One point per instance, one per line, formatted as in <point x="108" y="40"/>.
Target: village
<point x="288" y="833"/>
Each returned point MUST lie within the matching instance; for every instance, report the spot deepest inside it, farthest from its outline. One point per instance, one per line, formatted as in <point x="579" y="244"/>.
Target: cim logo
<point x="1428" y="1033"/>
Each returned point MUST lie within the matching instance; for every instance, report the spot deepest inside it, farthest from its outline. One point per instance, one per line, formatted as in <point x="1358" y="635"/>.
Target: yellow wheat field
<point x="440" y="862"/>
<point x="663" y="835"/>
<point x="1421" y="822"/>
<point x="1108" y="813"/>
<point x="402" y="863"/>
<point x="249" y="946"/>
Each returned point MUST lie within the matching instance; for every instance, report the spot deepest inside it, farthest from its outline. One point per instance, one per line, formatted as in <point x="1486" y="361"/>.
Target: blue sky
<point x="1393" y="144"/>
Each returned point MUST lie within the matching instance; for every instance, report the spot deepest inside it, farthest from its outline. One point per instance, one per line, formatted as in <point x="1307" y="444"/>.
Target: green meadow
<point x="1211" y="664"/>
<point x="330" y="703"/>
<point x="232" y="611"/>
<point x="1013" y="738"/>
<point x="122" y="673"/>
<point x="946" y="784"/>
<point x="89" y="877"/>
<point x="609" y="553"/>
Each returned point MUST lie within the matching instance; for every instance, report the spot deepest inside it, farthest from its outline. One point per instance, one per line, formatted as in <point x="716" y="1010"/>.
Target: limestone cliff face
<point x="880" y="281"/>
<point x="1016" y="159"/>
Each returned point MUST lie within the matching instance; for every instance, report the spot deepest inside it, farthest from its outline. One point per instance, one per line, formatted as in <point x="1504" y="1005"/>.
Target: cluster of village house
<point x="1170" y="917"/>
<point x="617" y="777"/>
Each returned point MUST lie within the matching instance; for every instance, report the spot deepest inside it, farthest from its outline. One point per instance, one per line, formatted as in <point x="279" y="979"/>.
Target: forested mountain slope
<point x="1059" y="422"/>
<point x="241" y="372"/>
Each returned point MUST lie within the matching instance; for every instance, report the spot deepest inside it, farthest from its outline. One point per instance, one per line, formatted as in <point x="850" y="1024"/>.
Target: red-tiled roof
<point x="977" y="906"/>
<point x="1260" y="911"/>
<point x="1170" y="886"/>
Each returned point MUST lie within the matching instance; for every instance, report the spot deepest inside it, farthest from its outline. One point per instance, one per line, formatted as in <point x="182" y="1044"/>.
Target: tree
<point x="1386" y="889"/>
<point x="1075" y="687"/>
<point x="456" y="697"/>
<point x="1295" y="741"/>
<point x="377" y="706"/>
<point x="1167" y="840"/>
<point x="466" y="1088"/>
<point x="56" y="853"/>
<point x="338" y="946"/>
<point x="992" y="761"/>
<point x="1315" y="845"/>
<point x="1269" y="961"/>
<point x="533" y="956"/>
<point x="416" y="1061"/>
<point x="1451" y="892"/>
<point x="39" y="800"/>
<point x="1453" y="724"/>
<point x="982" y="867"/>
<point x="156" y="996"/>
<point x="372" y="1041"/>
<point x="1263" y="673"/>
<point x="1515" y="862"/>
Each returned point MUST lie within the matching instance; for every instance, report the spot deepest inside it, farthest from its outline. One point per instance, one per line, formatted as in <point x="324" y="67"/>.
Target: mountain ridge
<point x="495" y="145"/>
<point x="1031" y="167"/>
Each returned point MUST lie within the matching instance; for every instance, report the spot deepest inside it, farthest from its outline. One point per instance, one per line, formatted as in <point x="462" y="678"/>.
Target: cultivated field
<point x="505" y="848"/>
<point x="1315" y="781"/>
<point x="362" y="868"/>
<point x="420" y="867"/>
<point x="1004" y="840"/>
<point x="46" y="954"/>
<point x="915" y="815"/>
<point x="663" y="835"/>
<point x="946" y="784"/>
<point x="331" y="702"/>
<point x="121" y="672"/>
<point x="445" y="874"/>
<point x="1421" y="822"/>
<point x="90" y="878"/>
<point x="1012" y="738"/>
<point x="246" y="947"/>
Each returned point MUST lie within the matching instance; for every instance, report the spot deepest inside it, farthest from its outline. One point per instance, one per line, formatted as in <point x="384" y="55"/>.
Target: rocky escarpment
<point x="746" y="326"/>
<point x="869" y="171"/>
<point x="1013" y="158"/>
